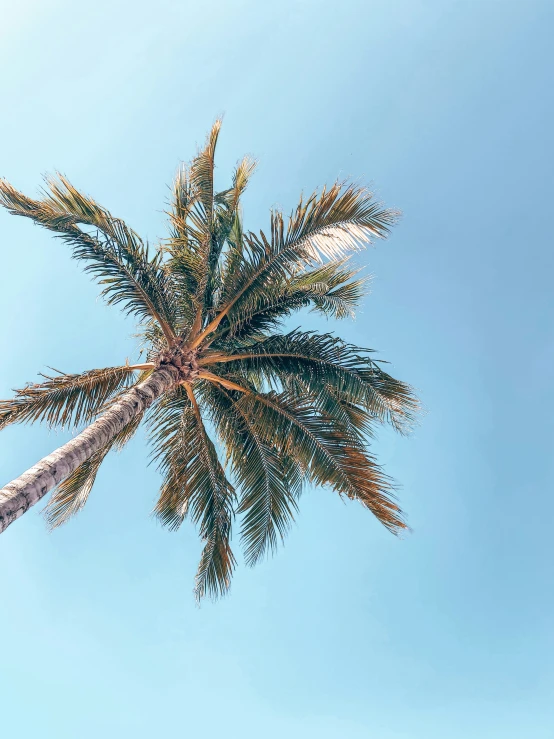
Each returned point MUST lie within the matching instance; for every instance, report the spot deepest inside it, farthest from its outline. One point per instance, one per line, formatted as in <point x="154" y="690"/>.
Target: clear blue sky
<point x="447" y="107"/>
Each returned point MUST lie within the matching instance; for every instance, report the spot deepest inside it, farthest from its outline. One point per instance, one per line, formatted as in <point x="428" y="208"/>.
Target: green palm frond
<point x="336" y="405"/>
<point x="330" y="455"/>
<point x="114" y="254"/>
<point x="206" y="235"/>
<point x="329" y="289"/>
<point x="269" y="480"/>
<point x="332" y="289"/>
<point x="71" y="495"/>
<point x="66" y="400"/>
<point x="208" y="221"/>
<point x="226" y="233"/>
<point x="335" y="221"/>
<point x="195" y="244"/>
<point x="171" y="423"/>
<point x="328" y="226"/>
<point x="229" y="214"/>
<point x="323" y="359"/>
<point x="324" y="449"/>
<point x="194" y="483"/>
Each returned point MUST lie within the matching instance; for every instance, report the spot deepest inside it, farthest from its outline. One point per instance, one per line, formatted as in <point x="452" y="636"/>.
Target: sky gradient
<point x="447" y="108"/>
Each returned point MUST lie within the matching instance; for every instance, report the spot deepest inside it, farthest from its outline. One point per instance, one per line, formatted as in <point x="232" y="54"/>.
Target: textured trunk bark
<point x="22" y="493"/>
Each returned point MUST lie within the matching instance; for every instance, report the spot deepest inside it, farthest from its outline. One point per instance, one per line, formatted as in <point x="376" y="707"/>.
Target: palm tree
<point x="286" y="408"/>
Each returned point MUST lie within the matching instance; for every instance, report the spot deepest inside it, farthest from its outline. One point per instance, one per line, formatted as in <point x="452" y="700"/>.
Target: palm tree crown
<point x="286" y="409"/>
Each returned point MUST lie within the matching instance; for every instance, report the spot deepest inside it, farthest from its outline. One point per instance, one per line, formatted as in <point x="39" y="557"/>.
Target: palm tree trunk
<point x="23" y="492"/>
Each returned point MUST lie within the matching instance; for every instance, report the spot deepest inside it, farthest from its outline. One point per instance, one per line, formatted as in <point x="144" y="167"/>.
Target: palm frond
<point x="330" y="455"/>
<point x="241" y="177"/>
<point x="197" y="237"/>
<point x="204" y="223"/>
<point x="152" y="340"/>
<point x="324" y="449"/>
<point x="172" y="423"/>
<point x="182" y="201"/>
<point x="195" y="484"/>
<point x="335" y="221"/>
<point x="323" y="359"/>
<point x="334" y="404"/>
<point x="328" y="226"/>
<point x="270" y="482"/>
<point x="329" y="289"/>
<point x="202" y="171"/>
<point x="226" y="234"/>
<point x="114" y="253"/>
<point x="66" y="400"/>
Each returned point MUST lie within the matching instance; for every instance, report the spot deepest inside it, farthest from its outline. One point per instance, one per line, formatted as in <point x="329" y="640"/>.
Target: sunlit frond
<point x="329" y="289"/>
<point x="327" y="226"/>
<point x="334" y="221"/>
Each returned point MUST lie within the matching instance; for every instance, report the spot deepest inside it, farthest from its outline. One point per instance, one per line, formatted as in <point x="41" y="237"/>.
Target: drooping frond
<point x="358" y="421"/>
<point x="195" y="484"/>
<point x="66" y="400"/>
<point x="323" y="448"/>
<point x="269" y="480"/>
<point x="172" y="423"/>
<point x="330" y="455"/>
<point x="114" y="253"/>
<point x="323" y="359"/>
<point x="72" y="494"/>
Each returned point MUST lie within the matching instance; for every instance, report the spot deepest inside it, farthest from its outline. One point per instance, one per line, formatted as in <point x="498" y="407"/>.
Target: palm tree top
<point x="255" y="413"/>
